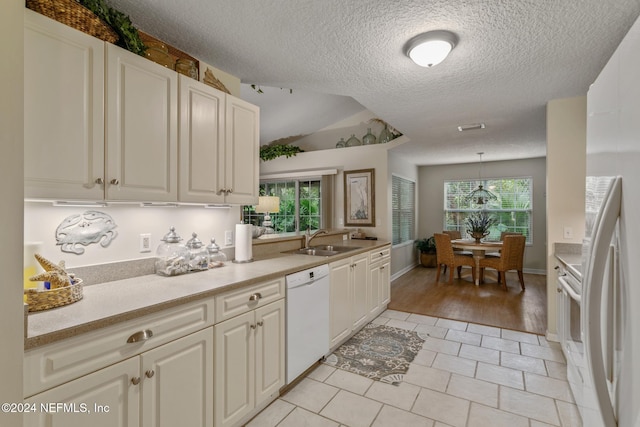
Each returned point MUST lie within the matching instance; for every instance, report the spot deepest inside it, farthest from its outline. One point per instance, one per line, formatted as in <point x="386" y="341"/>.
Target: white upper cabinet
<point x="242" y="144"/>
<point x="63" y="110"/>
<point x="142" y="129"/>
<point x="102" y="123"/>
<point x="202" y="112"/>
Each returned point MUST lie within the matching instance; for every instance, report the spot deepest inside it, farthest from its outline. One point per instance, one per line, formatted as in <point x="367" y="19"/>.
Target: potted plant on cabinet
<point x="427" y="248"/>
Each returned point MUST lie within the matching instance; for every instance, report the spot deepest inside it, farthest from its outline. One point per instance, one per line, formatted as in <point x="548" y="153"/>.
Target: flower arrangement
<point x="478" y="224"/>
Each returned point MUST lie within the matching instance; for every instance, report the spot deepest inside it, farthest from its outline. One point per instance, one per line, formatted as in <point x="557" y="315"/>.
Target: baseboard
<point x="405" y="270"/>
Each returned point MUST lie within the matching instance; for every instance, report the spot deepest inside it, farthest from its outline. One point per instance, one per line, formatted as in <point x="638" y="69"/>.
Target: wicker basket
<point x="73" y="14"/>
<point x="44" y="300"/>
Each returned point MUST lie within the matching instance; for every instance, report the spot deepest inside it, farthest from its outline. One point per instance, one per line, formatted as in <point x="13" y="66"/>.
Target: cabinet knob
<point x="99" y="181"/>
<point x="260" y="323"/>
<point x="150" y="373"/>
<point x="382" y="267"/>
<point x="115" y="181"/>
<point x="255" y="297"/>
<point x="135" y="380"/>
<point x="140" y="336"/>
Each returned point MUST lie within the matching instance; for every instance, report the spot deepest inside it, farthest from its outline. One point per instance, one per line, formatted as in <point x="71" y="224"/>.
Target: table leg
<point x="478" y="254"/>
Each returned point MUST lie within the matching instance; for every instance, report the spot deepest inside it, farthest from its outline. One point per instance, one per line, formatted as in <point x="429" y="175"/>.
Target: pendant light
<point x="480" y="196"/>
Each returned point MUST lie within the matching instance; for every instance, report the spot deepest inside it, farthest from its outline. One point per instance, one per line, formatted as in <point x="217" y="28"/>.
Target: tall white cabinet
<point x="142" y="129"/>
<point x="63" y="122"/>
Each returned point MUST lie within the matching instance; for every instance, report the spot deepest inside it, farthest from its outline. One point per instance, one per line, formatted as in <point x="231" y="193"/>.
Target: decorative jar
<point x="217" y="258"/>
<point x="187" y="67"/>
<point x="341" y="143"/>
<point x="385" y="135"/>
<point x="172" y="257"/>
<point x="198" y="254"/>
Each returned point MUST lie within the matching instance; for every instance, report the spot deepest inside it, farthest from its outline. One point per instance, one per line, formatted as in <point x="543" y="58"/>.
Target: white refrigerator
<point x="611" y="252"/>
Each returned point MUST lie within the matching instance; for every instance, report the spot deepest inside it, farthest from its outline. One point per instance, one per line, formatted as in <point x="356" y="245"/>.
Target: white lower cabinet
<point x="170" y="385"/>
<point x="348" y="297"/>
<point x="379" y="282"/>
<point x="249" y="363"/>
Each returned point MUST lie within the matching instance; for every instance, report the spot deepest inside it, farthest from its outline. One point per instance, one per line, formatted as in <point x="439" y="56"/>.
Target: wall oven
<point x="569" y="289"/>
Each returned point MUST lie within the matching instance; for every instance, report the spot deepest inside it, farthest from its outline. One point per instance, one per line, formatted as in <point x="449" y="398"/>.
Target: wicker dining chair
<point x="445" y="256"/>
<point x="511" y="258"/>
<point x="455" y="235"/>
<point x="497" y="253"/>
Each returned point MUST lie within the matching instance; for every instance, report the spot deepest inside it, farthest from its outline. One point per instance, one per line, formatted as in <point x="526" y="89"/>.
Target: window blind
<point x="403" y="209"/>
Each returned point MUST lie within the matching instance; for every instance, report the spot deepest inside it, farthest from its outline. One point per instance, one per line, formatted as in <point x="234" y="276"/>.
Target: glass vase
<point x="385" y="135"/>
<point x="341" y="143"/>
<point x="369" y="138"/>
<point x="353" y="141"/>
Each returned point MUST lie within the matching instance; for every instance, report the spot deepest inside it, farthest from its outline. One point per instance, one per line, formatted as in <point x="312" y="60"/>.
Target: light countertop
<point x="113" y="302"/>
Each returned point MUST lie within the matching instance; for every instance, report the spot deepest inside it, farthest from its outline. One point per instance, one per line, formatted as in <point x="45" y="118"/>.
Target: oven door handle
<point x="568" y="289"/>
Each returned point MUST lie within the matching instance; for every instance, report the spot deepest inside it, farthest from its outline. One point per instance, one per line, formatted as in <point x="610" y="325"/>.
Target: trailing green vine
<point x="270" y="152"/>
<point x="129" y="38"/>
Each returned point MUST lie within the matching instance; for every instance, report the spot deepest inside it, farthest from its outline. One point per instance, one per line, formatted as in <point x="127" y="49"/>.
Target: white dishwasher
<point x="307" y="319"/>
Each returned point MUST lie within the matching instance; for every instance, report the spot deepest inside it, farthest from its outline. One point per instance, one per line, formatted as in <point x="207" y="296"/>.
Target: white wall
<point x="566" y="170"/>
<point x="11" y="178"/>
<point x="431" y="199"/>
<point x="42" y="220"/>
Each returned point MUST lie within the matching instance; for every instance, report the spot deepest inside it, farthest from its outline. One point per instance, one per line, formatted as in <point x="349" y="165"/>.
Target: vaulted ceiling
<point x="513" y="56"/>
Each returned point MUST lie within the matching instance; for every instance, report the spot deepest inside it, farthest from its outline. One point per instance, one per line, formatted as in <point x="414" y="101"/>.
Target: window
<point x="513" y="208"/>
<point x="403" y="212"/>
<point x="302" y="205"/>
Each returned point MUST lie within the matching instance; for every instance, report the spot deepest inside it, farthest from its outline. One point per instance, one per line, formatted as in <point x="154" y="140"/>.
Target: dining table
<point x="478" y="249"/>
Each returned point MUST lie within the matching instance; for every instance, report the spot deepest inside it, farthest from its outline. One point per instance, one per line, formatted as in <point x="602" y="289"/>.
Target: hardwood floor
<point x="487" y="304"/>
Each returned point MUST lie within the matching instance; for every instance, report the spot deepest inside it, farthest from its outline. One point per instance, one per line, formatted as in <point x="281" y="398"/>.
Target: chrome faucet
<point x="308" y="236"/>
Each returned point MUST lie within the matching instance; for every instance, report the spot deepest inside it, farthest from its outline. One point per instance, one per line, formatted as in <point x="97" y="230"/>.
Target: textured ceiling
<point x="513" y="56"/>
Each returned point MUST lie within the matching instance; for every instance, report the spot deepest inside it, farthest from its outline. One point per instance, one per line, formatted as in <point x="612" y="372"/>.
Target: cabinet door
<point x="177" y="382"/>
<point x="242" y="145"/>
<point x="270" y="348"/>
<point x="385" y="283"/>
<point x="64" y="121"/>
<point x="110" y="400"/>
<point x="234" y="369"/>
<point x="359" y="277"/>
<point x="201" y="142"/>
<point x="375" y="296"/>
<point x="340" y="301"/>
<point x="142" y="134"/>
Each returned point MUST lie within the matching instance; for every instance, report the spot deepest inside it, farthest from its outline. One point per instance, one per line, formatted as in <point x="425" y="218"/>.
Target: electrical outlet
<point x="145" y="242"/>
<point x="568" y="233"/>
<point x="228" y="238"/>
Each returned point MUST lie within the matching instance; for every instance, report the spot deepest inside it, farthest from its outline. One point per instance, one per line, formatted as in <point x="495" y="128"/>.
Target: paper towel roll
<point x="243" y="243"/>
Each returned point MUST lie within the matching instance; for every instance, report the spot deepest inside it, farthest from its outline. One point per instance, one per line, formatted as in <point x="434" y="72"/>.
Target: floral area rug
<point x="379" y="352"/>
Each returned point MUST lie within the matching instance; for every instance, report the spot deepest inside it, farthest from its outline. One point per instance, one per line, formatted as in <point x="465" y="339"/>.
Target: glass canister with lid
<point x="217" y="258"/>
<point x="172" y="257"/>
<point x="198" y="254"/>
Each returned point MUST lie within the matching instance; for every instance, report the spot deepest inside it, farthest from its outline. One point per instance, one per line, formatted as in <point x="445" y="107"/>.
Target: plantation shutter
<point x="403" y="209"/>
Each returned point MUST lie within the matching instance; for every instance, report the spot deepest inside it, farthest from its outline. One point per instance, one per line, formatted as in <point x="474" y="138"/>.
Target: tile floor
<point x="466" y="375"/>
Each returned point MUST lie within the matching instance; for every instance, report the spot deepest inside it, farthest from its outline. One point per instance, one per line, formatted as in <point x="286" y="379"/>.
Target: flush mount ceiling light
<point x="431" y="48"/>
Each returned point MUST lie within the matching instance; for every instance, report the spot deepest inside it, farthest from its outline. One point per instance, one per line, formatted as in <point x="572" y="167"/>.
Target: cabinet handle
<point x="99" y="181"/>
<point x="252" y="326"/>
<point x="115" y="181"/>
<point x="255" y="297"/>
<point x="230" y="190"/>
<point x="382" y="267"/>
<point x="135" y="380"/>
<point x="140" y="336"/>
<point x="381" y="254"/>
<point x="149" y="373"/>
<point x="260" y="323"/>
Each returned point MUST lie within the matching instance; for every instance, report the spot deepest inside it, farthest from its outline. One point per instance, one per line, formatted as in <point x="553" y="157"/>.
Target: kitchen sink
<point x="323" y="250"/>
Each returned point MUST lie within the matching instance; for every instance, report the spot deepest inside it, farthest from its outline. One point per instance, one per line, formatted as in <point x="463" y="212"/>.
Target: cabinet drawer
<point x="62" y="361"/>
<point x="378" y="254"/>
<point x="242" y="300"/>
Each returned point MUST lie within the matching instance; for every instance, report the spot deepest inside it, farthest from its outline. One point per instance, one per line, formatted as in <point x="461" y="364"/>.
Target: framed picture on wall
<point x="359" y="198"/>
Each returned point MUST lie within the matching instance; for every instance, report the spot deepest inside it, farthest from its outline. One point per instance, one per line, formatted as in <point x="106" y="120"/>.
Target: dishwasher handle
<point x="307" y="283"/>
